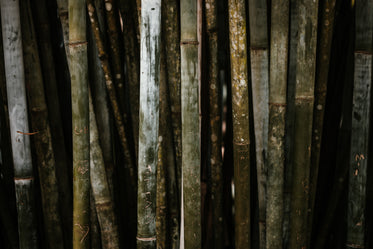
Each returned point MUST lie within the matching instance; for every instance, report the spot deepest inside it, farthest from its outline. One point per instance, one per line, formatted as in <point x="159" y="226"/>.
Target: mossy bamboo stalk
<point x="304" y="99"/>
<point x="276" y="129"/>
<point x="216" y="162"/>
<point x="100" y="188"/>
<point x="148" y="122"/>
<point x="63" y="163"/>
<point x="18" y="120"/>
<point x="80" y="123"/>
<point x="356" y="211"/>
<point x="190" y="124"/>
<point x="42" y="137"/>
<point x="240" y="114"/>
<point x="322" y="72"/>
<point x="259" y="74"/>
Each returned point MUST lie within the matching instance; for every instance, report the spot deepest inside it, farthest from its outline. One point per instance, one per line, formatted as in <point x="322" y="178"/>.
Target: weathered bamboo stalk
<point x="304" y="99"/>
<point x="42" y="136"/>
<point x="80" y="123"/>
<point x="259" y="74"/>
<point x="100" y="188"/>
<point x="240" y="112"/>
<point x="18" y="120"/>
<point x="191" y="186"/>
<point x="148" y="122"/>
<point x="276" y="129"/>
<point x="360" y="127"/>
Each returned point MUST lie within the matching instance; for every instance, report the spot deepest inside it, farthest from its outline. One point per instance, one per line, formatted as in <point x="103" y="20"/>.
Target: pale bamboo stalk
<point x="276" y="129"/>
<point x="304" y="100"/>
<point x="148" y="122"/>
<point x="260" y="77"/>
<point x="360" y="126"/>
<point x="42" y="136"/>
<point x="18" y="120"/>
<point x="100" y="188"/>
<point x="240" y="112"/>
<point x="80" y="123"/>
<point x="191" y="186"/>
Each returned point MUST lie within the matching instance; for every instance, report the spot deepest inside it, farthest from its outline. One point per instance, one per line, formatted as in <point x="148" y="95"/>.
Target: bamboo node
<point x="146" y="239"/>
<point x="189" y="43"/>
<point x="28" y="133"/>
<point x="350" y="245"/>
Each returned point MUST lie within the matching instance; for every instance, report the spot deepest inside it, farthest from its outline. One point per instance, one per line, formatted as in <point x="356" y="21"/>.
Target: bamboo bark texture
<point x="276" y="129"/>
<point x="191" y="174"/>
<point x="148" y="122"/>
<point x="80" y="123"/>
<point x="42" y="136"/>
<point x="356" y="211"/>
<point x="240" y="116"/>
<point x="18" y="120"/>
<point x="304" y="99"/>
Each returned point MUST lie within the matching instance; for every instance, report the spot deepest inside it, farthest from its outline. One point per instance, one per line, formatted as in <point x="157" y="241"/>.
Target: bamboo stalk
<point x="148" y="123"/>
<point x="191" y="186"/>
<point x="259" y="74"/>
<point x="80" y="123"/>
<point x="356" y="211"/>
<point x="322" y="72"/>
<point x="304" y="99"/>
<point x="42" y="137"/>
<point x="240" y="113"/>
<point x="100" y="188"/>
<point x="62" y="8"/>
<point x="94" y="227"/>
<point x="277" y="113"/>
<point x="18" y="120"/>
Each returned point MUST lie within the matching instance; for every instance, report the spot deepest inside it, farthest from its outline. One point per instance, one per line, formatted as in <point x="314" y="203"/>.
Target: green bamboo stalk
<point x="80" y="118"/>
<point x="216" y="162"/>
<point x="276" y="129"/>
<point x="322" y="72"/>
<point x="259" y="74"/>
<point x="100" y="188"/>
<point x="63" y="164"/>
<point x="304" y="99"/>
<point x="18" y="120"/>
<point x="191" y="186"/>
<point x="148" y="123"/>
<point x="240" y="112"/>
<point x="360" y="126"/>
<point x="42" y="136"/>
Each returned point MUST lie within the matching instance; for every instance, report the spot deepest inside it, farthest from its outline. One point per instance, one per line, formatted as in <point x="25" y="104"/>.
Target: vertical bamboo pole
<point x="148" y="123"/>
<point x="360" y="124"/>
<point x="18" y="120"/>
<point x="190" y="124"/>
<point x="276" y="130"/>
<point x="240" y="112"/>
<point x="80" y="123"/>
<point x="62" y="6"/>
<point x="304" y="99"/>
<point x="42" y="138"/>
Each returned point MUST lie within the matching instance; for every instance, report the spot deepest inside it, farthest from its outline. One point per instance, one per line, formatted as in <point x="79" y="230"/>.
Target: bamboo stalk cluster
<point x="186" y="124"/>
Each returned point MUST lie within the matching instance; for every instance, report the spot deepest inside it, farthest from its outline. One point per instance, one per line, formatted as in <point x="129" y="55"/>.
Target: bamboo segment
<point x="80" y="118"/>
<point x="148" y="123"/>
<point x="240" y="114"/>
<point x="62" y="6"/>
<point x="18" y="120"/>
<point x="42" y="138"/>
<point x="360" y="125"/>
<point x="304" y="99"/>
<point x="190" y="124"/>
<point x="276" y="129"/>
<point x="322" y="72"/>
<point x="100" y="188"/>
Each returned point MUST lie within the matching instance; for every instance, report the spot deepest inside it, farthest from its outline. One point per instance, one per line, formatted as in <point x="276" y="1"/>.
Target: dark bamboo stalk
<point x="148" y="122"/>
<point x="42" y="135"/>
<point x="20" y="141"/>
<point x="80" y="123"/>
<point x="62" y="7"/>
<point x="304" y="99"/>
<point x="240" y="112"/>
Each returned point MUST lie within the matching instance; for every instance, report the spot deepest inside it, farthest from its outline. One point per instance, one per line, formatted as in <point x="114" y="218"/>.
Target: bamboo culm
<point x="148" y="122"/>
<point x="18" y="120"/>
